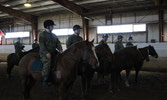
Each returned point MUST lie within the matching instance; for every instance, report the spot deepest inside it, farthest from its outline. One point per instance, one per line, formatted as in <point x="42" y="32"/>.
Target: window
<point x="139" y="27"/>
<point x="17" y="34"/>
<point x="62" y="32"/>
<point x="121" y="28"/>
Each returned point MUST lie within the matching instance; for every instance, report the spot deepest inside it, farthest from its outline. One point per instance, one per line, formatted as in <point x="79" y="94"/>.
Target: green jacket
<point x="129" y="44"/>
<point x="18" y="47"/>
<point x="48" y="43"/>
<point x="102" y="42"/>
<point x="118" y="45"/>
<point x="73" y="39"/>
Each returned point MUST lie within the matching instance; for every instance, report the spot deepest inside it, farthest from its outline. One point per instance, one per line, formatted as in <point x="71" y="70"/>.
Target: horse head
<point x="88" y="54"/>
<point x="152" y="51"/>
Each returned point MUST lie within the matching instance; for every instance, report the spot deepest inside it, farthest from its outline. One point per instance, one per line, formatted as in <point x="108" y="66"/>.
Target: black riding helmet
<point x="130" y="38"/>
<point x="120" y="37"/>
<point x="105" y="35"/>
<point x="48" y="23"/>
<point x="76" y="27"/>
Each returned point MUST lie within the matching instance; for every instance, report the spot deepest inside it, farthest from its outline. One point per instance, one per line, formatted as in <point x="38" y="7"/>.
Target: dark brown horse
<point x="65" y="70"/>
<point x="12" y="60"/>
<point x="125" y="58"/>
<point x="86" y="72"/>
<point x="145" y="51"/>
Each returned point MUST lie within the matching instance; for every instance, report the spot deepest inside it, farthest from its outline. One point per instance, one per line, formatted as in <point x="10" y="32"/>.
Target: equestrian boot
<point x="44" y="81"/>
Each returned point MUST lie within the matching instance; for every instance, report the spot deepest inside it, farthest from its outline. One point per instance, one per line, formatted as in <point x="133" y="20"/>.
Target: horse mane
<point x="103" y="47"/>
<point x="71" y="48"/>
<point x="74" y="46"/>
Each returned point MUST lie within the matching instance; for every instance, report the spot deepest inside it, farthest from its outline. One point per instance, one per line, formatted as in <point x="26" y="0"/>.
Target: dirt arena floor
<point x="151" y="86"/>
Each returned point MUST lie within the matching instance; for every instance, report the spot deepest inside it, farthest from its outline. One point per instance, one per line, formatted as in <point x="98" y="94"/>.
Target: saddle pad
<point x="36" y="66"/>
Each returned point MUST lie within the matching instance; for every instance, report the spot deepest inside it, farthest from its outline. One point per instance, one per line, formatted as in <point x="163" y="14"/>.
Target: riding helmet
<point x="120" y="36"/>
<point x="130" y="38"/>
<point x="105" y="35"/>
<point x="76" y="27"/>
<point x="48" y="23"/>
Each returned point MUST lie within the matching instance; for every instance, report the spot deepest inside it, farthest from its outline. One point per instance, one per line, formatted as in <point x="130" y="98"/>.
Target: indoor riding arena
<point x="98" y="49"/>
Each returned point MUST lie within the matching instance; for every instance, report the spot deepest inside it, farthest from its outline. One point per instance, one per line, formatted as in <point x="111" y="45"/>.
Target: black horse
<point x="145" y="51"/>
<point x="12" y="60"/>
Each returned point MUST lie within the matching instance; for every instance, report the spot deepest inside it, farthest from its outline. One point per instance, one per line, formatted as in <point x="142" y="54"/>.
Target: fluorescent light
<point x="127" y="28"/>
<point x="61" y="32"/>
<point x="17" y="34"/>
<point x="27" y="4"/>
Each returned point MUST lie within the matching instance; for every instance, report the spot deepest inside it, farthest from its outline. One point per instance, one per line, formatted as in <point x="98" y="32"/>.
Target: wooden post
<point x="161" y="25"/>
<point x="85" y="23"/>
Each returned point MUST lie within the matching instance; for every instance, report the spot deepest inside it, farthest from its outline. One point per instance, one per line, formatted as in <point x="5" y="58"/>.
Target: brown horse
<point x="86" y="72"/>
<point x="145" y="51"/>
<point x="65" y="71"/>
<point x="12" y="60"/>
<point x="124" y="59"/>
<point x="111" y="64"/>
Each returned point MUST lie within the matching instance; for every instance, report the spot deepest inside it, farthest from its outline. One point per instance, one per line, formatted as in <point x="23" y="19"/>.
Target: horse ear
<point x="92" y="41"/>
<point x="135" y="46"/>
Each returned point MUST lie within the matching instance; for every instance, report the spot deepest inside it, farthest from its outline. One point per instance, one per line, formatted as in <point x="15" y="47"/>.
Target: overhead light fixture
<point x="27" y="4"/>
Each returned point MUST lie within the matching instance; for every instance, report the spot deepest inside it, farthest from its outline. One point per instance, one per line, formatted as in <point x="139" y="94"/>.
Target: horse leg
<point x="84" y="86"/>
<point x="62" y="91"/>
<point x="27" y="85"/>
<point x="111" y="85"/>
<point x="127" y="77"/>
<point x="137" y="69"/>
<point x="114" y="81"/>
<point x="9" y="69"/>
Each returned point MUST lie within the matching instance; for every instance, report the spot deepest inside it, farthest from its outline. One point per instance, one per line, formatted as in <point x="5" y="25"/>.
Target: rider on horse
<point x="119" y="45"/>
<point x="129" y="44"/>
<point x="18" y="48"/>
<point x="75" y="37"/>
<point x="104" y="39"/>
<point x="48" y="43"/>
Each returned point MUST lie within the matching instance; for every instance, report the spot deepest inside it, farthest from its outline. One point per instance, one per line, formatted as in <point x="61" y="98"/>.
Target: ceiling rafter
<point x="18" y="14"/>
<point x="71" y="6"/>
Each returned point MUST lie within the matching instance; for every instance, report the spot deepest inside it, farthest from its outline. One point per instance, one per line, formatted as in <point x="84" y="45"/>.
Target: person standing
<point x="49" y="44"/>
<point x="119" y="45"/>
<point x="75" y="37"/>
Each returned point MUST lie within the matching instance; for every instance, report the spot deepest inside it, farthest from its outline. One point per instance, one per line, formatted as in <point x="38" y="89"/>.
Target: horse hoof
<point x="127" y="84"/>
<point x="118" y="90"/>
<point x="110" y="91"/>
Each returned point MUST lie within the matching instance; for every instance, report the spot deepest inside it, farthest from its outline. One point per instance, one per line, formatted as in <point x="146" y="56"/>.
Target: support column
<point x="35" y="28"/>
<point x="85" y="23"/>
<point x="161" y="25"/>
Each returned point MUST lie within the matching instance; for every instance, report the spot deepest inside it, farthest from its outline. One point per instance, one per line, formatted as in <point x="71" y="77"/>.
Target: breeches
<point x="46" y="66"/>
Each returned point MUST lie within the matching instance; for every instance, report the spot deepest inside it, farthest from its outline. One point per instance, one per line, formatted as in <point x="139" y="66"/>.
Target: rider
<point x="129" y="44"/>
<point x="75" y="37"/>
<point x="48" y="43"/>
<point x="35" y="45"/>
<point x="104" y="39"/>
<point x="18" y="48"/>
<point x="119" y="45"/>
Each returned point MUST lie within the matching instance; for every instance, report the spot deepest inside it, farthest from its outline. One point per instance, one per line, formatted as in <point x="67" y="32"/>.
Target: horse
<point x="65" y="71"/>
<point x="12" y="59"/>
<point x="125" y="58"/>
<point x="151" y="51"/>
<point x="145" y="51"/>
<point x="86" y="72"/>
